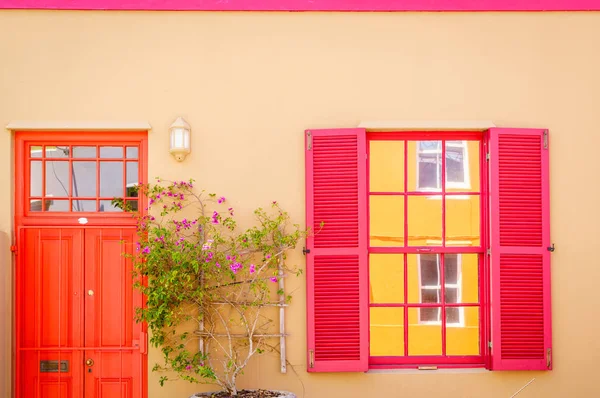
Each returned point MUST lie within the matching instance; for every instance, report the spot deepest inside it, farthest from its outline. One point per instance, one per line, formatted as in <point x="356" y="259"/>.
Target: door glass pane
<point x="462" y="166"/>
<point x="57" y="179"/>
<point x="84" y="205"/>
<point x="35" y="151"/>
<point x="84" y="179"/>
<point x="57" y="205"/>
<point x="386" y="278"/>
<point x="111" y="179"/>
<point x="463" y="220"/>
<point x="461" y="272"/>
<point x="462" y="338"/>
<point x="105" y="205"/>
<point x="35" y="178"/>
<point x="387" y="331"/>
<point x="386" y="166"/>
<point x="111" y="152"/>
<point x="84" y="152"/>
<point x="61" y="151"/>
<point x="386" y="220"/>
<point x="132" y="178"/>
<point x="132" y="152"/>
<point x="424" y="337"/>
<point x="132" y="205"/>
<point x="35" y="205"/>
<point x="425" y="220"/>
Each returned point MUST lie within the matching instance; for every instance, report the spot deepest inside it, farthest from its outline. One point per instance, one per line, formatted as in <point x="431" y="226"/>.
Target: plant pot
<point x="282" y="394"/>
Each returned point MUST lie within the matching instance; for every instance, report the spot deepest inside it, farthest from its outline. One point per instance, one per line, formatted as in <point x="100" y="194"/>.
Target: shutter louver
<point x="520" y="259"/>
<point x="337" y="260"/>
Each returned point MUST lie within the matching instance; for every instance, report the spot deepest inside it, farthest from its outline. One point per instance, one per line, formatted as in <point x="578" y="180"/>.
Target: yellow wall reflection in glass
<point x="463" y="220"/>
<point x="463" y="339"/>
<point x="386" y="167"/>
<point x="387" y="331"/>
<point x="386" y="220"/>
<point x="424" y="221"/>
<point x="386" y="278"/>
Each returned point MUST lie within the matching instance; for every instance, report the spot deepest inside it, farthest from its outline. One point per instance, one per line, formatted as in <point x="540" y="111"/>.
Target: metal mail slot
<point x="52" y="366"/>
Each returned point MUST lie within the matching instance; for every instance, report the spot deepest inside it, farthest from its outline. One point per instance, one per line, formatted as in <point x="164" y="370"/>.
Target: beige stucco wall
<point x="250" y="83"/>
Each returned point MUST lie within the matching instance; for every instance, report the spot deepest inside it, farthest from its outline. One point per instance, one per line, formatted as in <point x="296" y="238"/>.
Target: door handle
<point x="89" y="362"/>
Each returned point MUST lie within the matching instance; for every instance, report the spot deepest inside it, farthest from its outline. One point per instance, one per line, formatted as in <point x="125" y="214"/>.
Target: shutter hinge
<point x="489" y="252"/>
<point x="487" y="157"/>
<point x="551" y="248"/>
<point x="305" y="251"/>
<point x="490" y="345"/>
<point x="549" y="358"/>
<point x="14" y="249"/>
<point x="311" y="358"/>
<point x="545" y="139"/>
<point x="308" y="141"/>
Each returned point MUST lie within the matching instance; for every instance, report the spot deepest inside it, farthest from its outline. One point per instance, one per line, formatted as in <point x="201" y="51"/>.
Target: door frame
<point x="24" y="218"/>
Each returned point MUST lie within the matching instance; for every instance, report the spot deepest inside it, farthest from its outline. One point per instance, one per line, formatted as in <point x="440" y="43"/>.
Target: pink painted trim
<point x="307" y="5"/>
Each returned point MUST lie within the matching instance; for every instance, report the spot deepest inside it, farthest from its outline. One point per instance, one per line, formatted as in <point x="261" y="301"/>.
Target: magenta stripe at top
<point x="307" y="5"/>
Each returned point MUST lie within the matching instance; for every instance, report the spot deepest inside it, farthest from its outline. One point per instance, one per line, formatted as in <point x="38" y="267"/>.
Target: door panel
<point x="76" y="302"/>
<point x="49" y="321"/>
<point x="109" y="315"/>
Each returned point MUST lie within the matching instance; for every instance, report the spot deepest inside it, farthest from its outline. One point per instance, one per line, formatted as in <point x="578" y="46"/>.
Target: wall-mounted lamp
<point x="180" y="139"/>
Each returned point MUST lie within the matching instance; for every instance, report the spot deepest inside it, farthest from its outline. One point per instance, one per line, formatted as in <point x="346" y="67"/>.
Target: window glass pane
<point x="424" y="278"/>
<point x="424" y="166"/>
<point x="35" y="151"/>
<point x="430" y="269"/>
<point x="105" y="205"/>
<point x="132" y="152"/>
<point x="84" y="151"/>
<point x="84" y="205"/>
<point x="111" y="179"/>
<point x="462" y="278"/>
<point x="132" y="178"/>
<point x="387" y="331"/>
<point x="424" y="221"/>
<point x="386" y="278"/>
<point x="57" y="179"/>
<point x="424" y="337"/>
<point x="462" y="166"/>
<point x="35" y="178"/>
<point x="463" y="220"/>
<point x="35" y="205"/>
<point x="57" y="205"/>
<point x="61" y="151"/>
<point x="462" y="338"/>
<point x="84" y="179"/>
<point x="111" y="152"/>
<point x="451" y="268"/>
<point x="386" y="167"/>
<point x="386" y="220"/>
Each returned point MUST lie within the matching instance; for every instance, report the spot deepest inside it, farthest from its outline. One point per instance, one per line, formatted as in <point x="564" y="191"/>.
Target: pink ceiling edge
<point x="307" y="5"/>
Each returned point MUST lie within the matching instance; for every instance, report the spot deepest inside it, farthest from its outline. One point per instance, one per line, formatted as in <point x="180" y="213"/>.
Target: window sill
<point x="411" y="371"/>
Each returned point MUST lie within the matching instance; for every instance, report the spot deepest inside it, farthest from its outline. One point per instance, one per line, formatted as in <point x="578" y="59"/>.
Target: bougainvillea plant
<point x="209" y="287"/>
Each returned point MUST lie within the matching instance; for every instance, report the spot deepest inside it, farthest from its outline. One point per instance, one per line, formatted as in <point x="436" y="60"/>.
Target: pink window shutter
<point x="520" y="250"/>
<point x="336" y="265"/>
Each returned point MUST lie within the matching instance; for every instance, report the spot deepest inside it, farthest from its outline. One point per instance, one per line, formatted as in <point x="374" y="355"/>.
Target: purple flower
<point x="230" y="211"/>
<point x="268" y="256"/>
<point x="189" y="367"/>
<point x="146" y="250"/>
<point x="137" y="246"/>
<point x="252" y="268"/>
<point x="221" y="199"/>
<point x="235" y="267"/>
<point x="218" y="265"/>
<point x="273" y="279"/>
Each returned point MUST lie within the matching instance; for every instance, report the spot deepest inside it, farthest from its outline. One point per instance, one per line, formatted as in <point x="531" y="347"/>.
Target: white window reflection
<point x="430" y="285"/>
<point x="429" y="165"/>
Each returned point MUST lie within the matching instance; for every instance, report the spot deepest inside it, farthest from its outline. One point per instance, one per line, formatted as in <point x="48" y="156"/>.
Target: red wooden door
<point x="77" y="334"/>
